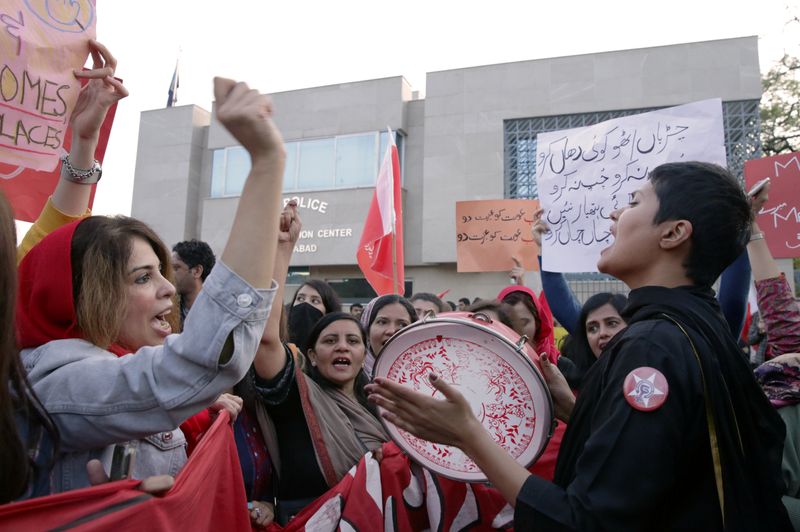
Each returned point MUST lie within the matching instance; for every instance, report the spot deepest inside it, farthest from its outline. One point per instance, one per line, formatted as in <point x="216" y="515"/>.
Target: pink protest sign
<point x="778" y="218"/>
<point x="41" y="43"/>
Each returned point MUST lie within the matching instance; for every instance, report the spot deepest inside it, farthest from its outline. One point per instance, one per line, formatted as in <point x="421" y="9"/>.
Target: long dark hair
<point x="576" y="346"/>
<point x="330" y="300"/>
<point x="16" y="395"/>
<point x="361" y="378"/>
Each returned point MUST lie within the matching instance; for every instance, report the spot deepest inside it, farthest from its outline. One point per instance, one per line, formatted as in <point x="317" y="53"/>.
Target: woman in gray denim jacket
<point x="98" y="288"/>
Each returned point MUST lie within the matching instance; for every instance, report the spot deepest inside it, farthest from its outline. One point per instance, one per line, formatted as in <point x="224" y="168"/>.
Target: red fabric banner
<point x="383" y="229"/>
<point x="397" y="495"/>
<point x="393" y="494"/>
<point x="208" y="495"/>
<point x="27" y="190"/>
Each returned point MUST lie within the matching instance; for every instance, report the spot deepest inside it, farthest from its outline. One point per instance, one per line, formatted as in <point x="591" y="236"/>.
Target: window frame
<point x="400" y="140"/>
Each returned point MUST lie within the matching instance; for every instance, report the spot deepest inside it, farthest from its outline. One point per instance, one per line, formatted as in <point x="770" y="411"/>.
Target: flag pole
<point x="390" y="141"/>
<point x="394" y="265"/>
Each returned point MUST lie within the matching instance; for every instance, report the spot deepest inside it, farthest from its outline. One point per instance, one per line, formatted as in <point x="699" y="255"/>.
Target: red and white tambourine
<point x="495" y="371"/>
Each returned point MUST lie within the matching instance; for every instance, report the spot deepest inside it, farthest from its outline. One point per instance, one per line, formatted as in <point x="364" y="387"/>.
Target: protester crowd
<point x="114" y="346"/>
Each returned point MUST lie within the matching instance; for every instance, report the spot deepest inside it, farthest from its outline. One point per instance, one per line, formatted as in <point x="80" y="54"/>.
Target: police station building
<point x="472" y="136"/>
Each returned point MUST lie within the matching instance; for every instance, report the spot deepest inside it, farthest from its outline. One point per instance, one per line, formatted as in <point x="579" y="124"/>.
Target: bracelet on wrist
<point x="78" y="175"/>
<point x="756" y="236"/>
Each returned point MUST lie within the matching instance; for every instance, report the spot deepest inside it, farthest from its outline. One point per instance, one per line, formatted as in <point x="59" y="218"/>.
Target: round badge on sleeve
<point x="645" y="389"/>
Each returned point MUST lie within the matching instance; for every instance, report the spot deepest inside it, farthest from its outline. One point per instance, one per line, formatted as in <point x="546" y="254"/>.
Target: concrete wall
<point x="357" y="107"/>
<point x="454" y="145"/>
<point x="465" y="110"/>
<point x="333" y="221"/>
<point x="166" y="188"/>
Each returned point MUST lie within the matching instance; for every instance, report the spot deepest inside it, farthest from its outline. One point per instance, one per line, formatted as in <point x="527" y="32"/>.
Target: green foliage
<point x="780" y="107"/>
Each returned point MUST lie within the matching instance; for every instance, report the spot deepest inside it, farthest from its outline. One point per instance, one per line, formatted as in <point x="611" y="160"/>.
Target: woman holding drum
<point x="670" y="430"/>
<point x="592" y="326"/>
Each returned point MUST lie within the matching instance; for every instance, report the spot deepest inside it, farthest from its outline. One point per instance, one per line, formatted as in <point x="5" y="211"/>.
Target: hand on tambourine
<point x="448" y="421"/>
<point x="563" y="398"/>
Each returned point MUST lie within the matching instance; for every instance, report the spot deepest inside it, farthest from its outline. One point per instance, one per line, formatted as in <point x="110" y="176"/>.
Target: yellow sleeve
<point x="49" y="220"/>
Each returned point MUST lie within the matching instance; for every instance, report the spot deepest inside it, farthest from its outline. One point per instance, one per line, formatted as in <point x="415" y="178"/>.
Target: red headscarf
<point x="45" y="308"/>
<point x="45" y="305"/>
<point x="544" y="341"/>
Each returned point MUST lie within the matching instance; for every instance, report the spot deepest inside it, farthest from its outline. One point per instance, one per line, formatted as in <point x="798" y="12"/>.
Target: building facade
<point x="473" y="136"/>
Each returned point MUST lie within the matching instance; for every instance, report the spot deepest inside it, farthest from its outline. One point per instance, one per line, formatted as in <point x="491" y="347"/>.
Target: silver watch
<point x="78" y="175"/>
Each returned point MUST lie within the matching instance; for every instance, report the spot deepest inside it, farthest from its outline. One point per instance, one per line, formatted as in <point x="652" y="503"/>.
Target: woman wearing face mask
<point x="98" y="288"/>
<point x="384" y="316"/>
<point x="311" y="301"/>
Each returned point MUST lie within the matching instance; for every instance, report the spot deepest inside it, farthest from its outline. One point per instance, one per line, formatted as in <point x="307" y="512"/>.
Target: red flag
<point x="380" y="251"/>
<point x="395" y="494"/>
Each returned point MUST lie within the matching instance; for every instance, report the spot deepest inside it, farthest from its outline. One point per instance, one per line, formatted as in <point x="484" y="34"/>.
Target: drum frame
<point x="474" y="320"/>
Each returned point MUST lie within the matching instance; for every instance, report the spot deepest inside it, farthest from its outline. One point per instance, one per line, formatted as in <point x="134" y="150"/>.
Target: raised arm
<point x="517" y="273"/>
<point x="247" y="115"/>
<point x="563" y="303"/>
<point x="271" y="356"/>
<point x="70" y="200"/>
<point x="779" y="310"/>
<point x="761" y="260"/>
<point x="96" y="98"/>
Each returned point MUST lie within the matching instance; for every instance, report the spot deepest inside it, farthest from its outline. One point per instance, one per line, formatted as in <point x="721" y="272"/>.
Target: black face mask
<point x="302" y="318"/>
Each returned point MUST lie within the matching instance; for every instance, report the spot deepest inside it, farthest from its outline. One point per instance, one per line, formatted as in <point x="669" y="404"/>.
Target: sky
<point x="277" y="46"/>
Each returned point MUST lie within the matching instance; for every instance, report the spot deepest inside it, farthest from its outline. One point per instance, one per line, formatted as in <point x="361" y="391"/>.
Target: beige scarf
<point x="341" y="429"/>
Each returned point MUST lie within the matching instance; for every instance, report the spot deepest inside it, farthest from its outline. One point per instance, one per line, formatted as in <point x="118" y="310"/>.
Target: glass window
<point x="316" y="164"/>
<point x="218" y="174"/>
<point x="237" y="166"/>
<point x="334" y="162"/>
<point x="355" y="160"/>
<point x="290" y="172"/>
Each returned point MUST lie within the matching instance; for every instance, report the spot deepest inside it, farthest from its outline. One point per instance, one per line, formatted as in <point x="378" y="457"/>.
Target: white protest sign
<point x="41" y="43"/>
<point x="584" y="174"/>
